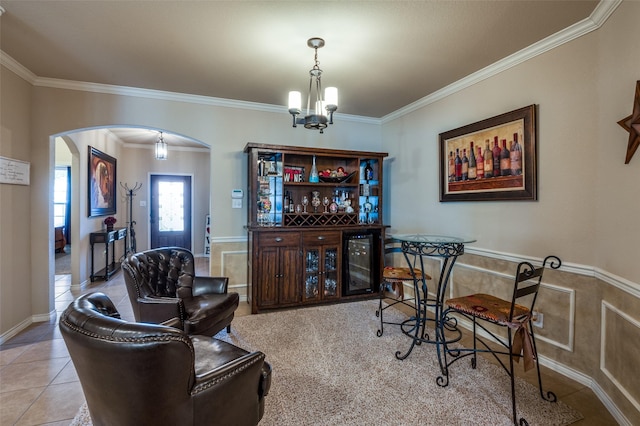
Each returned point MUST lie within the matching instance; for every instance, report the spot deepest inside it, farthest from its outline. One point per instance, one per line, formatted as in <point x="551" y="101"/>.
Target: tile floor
<point x="39" y="386"/>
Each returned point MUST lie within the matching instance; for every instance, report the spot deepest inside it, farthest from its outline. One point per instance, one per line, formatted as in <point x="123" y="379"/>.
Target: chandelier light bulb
<point x="331" y="97"/>
<point x="295" y="102"/>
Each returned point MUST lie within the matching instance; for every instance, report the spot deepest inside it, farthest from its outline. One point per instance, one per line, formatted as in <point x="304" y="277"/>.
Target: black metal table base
<point x="445" y="332"/>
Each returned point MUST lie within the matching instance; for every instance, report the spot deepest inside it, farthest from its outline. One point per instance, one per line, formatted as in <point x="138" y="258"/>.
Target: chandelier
<point x="322" y="114"/>
<point x="161" y="148"/>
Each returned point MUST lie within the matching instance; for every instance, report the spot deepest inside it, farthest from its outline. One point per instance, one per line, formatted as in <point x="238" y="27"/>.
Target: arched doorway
<point x="135" y="162"/>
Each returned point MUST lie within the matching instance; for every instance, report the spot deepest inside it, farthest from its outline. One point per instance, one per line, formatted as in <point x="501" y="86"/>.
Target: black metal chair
<point x="515" y="317"/>
<point x="392" y="285"/>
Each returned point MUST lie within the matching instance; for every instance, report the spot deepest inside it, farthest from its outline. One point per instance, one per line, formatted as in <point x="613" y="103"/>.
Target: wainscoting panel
<point x="558" y="306"/>
<point x="229" y="259"/>
<point x="619" y="348"/>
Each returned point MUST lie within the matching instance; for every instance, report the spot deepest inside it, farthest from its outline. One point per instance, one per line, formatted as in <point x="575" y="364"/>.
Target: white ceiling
<point x="382" y="55"/>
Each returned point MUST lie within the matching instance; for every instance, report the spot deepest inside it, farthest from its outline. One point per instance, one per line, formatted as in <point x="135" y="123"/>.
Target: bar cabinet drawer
<point x="321" y="237"/>
<point x="278" y="239"/>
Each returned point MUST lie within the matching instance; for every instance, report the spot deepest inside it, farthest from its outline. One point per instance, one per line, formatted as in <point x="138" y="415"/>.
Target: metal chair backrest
<point x="527" y="281"/>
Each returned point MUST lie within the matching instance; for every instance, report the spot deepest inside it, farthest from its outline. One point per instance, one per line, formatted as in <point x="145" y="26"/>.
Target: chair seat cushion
<point x="392" y="273"/>
<point x="488" y="307"/>
<point x="205" y="310"/>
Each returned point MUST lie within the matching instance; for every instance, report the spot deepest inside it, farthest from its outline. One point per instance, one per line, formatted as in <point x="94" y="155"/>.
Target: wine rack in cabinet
<point x="310" y="191"/>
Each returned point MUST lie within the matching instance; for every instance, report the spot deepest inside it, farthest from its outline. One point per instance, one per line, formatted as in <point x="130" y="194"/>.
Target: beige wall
<point x="15" y="205"/>
<point x="586" y="213"/>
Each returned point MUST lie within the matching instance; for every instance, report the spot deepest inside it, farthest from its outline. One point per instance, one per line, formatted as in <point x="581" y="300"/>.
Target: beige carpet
<point x="329" y="368"/>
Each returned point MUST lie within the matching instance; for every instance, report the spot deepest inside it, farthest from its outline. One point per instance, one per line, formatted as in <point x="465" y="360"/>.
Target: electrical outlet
<point x="537" y="319"/>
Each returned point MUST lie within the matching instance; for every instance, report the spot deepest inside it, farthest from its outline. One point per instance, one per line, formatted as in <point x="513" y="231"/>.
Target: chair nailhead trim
<point x="204" y="386"/>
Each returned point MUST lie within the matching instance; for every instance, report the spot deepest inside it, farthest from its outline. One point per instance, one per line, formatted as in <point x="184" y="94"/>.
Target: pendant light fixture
<point x="161" y="148"/>
<point x="322" y="114"/>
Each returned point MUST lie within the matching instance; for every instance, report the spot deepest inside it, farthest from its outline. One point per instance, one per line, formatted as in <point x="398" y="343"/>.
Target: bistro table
<point x="416" y="247"/>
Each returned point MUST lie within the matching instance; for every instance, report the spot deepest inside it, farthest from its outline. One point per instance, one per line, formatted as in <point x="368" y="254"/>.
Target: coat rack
<point x="131" y="192"/>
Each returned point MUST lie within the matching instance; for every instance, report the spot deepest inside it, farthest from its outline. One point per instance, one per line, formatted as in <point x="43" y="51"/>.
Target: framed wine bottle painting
<point x="491" y="160"/>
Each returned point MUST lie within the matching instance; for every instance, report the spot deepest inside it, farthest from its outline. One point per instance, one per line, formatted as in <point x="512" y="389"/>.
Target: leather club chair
<point x="150" y="374"/>
<point x="162" y="285"/>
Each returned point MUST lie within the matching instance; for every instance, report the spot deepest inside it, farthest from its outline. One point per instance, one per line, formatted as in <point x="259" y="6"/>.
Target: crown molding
<point x="13" y="65"/>
<point x="603" y="10"/>
<point x="83" y="86"/>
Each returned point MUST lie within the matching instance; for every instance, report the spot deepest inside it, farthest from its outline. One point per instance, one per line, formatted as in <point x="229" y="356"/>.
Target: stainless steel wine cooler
<point x="361" y="257"/>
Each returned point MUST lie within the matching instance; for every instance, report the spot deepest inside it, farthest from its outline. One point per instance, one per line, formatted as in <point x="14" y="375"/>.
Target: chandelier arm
<point x="309" y="94"/>
<point x="319" y="88"/>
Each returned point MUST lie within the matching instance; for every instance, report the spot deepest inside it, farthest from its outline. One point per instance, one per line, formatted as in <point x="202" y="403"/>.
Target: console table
<point x="108" y="238"/>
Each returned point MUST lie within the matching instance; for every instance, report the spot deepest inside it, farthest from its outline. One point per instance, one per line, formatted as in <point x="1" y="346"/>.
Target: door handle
<point x="278" y="239"/>
<point x="321" y="237"/>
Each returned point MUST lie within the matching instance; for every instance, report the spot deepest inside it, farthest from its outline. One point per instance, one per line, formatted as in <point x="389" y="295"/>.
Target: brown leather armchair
<point x="162" y="285"/>
<point x="149" y="374"/>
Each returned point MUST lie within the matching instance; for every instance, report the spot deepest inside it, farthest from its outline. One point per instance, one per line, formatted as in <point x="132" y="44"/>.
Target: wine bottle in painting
<point x="480" y="161"/>
<point x="516" y="156"/>
<point x="488" y="161"/>
<point x="465" y="165"/>
<point x="473" y="167"/>
<point x="505" y="160"/>
<point x="496" y="157"/>
<point x="458" y="165"/>
<point x="452" y="167"/>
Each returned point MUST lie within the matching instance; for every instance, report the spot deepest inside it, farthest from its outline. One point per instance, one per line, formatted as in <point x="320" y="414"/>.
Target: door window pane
<point x="170" y="206"/>
<point x="60" y="196"/>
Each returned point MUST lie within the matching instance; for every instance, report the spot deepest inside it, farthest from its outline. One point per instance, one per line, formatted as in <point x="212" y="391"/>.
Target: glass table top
<point x="432" y="239"/>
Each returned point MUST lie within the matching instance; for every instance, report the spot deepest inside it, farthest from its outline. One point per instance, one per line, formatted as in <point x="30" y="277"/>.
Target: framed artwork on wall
<point x="101" y="183"/>
<point x="491" y="160"/>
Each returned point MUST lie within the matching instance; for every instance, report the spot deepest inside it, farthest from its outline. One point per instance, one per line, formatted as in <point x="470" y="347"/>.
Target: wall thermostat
<point x="236" y="193"/>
